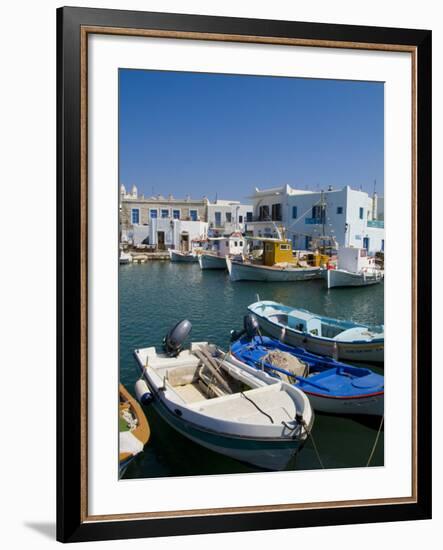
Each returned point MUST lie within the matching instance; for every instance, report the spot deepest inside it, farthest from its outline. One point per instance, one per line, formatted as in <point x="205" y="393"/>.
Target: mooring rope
<point x="309" y="432"/>
<point x="376" y="441"/>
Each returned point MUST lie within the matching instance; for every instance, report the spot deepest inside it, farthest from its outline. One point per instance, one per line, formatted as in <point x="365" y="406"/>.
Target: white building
<point x="346" y="214"/>
<point x="226" y="217"/>
<point x="164" y="233"/>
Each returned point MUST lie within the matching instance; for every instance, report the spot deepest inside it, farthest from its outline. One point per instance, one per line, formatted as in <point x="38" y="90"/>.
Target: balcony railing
<point x="380" y="224"/>
<point x="313" y="221"/>
<point x="262" y="219"/>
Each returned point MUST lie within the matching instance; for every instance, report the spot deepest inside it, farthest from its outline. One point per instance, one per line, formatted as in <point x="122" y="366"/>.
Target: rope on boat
<point x="257" y="407"/>
<point x="376" y="441"/>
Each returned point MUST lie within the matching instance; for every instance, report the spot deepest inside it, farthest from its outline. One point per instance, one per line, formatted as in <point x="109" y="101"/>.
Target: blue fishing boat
<point x="331" y="386"/>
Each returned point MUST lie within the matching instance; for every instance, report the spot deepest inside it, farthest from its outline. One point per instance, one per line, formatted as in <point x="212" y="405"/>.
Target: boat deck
<point x="190" y="393"/>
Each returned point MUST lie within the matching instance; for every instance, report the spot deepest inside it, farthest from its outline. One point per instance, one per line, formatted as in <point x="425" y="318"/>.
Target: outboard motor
<point x="173" y="341"/>
<point x="250" y="327"/>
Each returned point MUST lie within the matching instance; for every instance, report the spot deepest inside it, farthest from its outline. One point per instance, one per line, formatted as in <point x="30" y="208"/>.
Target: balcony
<point x="379" y="224"/>
<point x="313" y="221"/>
<point x="262" y="219"/>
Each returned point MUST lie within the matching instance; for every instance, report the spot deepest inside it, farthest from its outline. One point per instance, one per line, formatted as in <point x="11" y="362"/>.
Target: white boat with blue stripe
<point x="323" y="335"/>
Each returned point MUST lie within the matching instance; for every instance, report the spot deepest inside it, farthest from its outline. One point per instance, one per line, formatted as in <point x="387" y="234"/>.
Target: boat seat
<point x="280" y="318"/>
<point x="368" y="381"/>
<point x="191" y="393"/>
<point x="180" y="376"/>
<point x="278" y="404"/>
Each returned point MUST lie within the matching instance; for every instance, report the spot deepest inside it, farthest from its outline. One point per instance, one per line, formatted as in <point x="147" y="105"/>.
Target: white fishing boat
<point x="125" y="258"/>
<point x="224" y="408"/>
<point x="354" y="268"/>
<point x="210" y="260"/>
<point x="323" y="335"/>
<point x="219" y="249"/>
<point x="182" y="257"/>
<point x="275" y="263"/>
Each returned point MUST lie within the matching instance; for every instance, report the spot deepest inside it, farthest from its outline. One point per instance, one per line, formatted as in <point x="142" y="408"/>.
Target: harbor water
<point x="155" y="295"/>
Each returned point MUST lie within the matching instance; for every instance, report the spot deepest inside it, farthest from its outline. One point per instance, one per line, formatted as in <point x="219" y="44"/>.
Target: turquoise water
<point x="155" y="295"/>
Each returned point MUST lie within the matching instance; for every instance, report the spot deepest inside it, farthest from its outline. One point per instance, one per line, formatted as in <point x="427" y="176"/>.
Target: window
<point x="339" y="209"/>
<point x="217" y="219"/>
<point x="135" y="216"/>
<point x="294" y="212"/>
<point x="165" y="213"/>
<point x="284" y="247"/>
<point x="276" y="212"/>
<point x="263" y="213"/>
<point x="361" y="213"/>
<point x="318" y="212"/>
<point x="176" y="214"/>
<point x="382" y="245"/>
<point x="249" y="216"/>
<point x="235" y="243"/>
<point x="193" y="215"/>
<point x="229" y="217"/>
<point x="153" y="214"/>
<point x="240" y="243"/>
<point x="240" y="219"/>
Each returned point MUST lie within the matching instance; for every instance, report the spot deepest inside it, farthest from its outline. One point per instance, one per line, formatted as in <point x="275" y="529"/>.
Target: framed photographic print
<point x="243" y="219"/>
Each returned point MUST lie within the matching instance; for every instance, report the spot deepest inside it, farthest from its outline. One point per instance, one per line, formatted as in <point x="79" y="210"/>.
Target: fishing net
<point x="286" y="361"/>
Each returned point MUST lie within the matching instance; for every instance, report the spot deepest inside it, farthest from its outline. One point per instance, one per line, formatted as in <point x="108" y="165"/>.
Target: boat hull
<point x="360" y="351"/>
<point x="239" y="271"/>
<point x="125" y="259"/>
<point x="182" y="258"/>
<point x="262" y="453"/>
<point x="341" y="278"/>
<point x="123" y="466"/>
<point x="210" y="261"/>
<point x="370" y="405"/>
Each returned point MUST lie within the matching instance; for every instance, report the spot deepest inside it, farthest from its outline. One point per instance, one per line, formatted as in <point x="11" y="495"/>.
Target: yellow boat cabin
<point x="275" y="251"/>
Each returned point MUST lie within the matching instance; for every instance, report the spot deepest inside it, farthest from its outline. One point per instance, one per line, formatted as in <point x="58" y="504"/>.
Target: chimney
<point x="374" y="206"/>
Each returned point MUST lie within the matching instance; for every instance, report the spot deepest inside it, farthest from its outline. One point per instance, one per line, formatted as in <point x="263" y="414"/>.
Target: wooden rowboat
<point x="134" y="431"/>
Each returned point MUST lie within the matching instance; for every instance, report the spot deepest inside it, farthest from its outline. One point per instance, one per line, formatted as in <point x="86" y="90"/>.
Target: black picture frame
<point x="71" y="523"/>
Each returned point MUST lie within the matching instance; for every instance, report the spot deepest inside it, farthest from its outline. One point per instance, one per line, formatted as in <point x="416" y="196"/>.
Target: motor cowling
<point x="174" y="340"/>
<point x="251" y="328"/>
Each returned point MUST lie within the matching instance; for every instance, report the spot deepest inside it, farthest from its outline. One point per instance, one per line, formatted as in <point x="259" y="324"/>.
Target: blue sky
<point x="202" y="134"/>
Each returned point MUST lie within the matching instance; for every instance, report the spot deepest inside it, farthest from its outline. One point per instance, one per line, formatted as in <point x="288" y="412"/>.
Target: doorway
<point x="184" y="242"/>
<point x="160" y="240"/>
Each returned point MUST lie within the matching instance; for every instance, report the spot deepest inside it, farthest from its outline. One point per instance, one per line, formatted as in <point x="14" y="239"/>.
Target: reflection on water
<point x="155" y="295"/>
